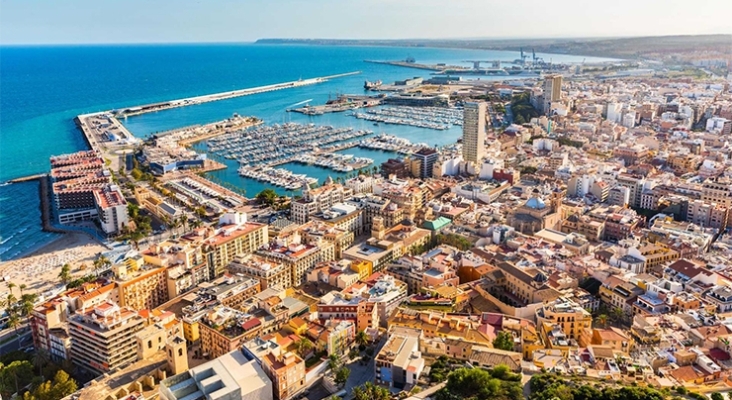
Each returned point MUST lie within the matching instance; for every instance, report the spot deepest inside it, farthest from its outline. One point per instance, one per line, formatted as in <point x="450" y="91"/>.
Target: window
<point x="180" y="352"/>
<point x="149" y="344"/>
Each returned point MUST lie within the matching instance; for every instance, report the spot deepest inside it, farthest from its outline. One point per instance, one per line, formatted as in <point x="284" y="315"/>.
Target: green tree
<point x="267" y="197"/>
<point x="479" y="384"/>
<point x="333" y="362"/>
<point x="304" y="346"/>
<point x="369" y="391"/>
<point x="342" y="375"/>
<point x="65" y="275"/>
<point x="717" y="396"/>
<point x="101" y="262"/>
<point x="503" y="341"/>
<point x="61" y="387"/>
<point x="601" y="320"/>
<point x="361" y="338"/>
<point x="15" y="376"/>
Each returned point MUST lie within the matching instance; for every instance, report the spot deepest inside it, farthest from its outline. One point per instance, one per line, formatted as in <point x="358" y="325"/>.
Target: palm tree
<point x="184" y="220"/>
<point x="65" y="274"/>
<point x="304" y="346"/>
<point x="22" y="287"/>
<point x="362" y="338"/>
<point x="40" y="359"/>
<point x="101" y="262"/>
<point x="601" y="320"/>
<point x="11" y="285"/>
<point x="333" y="362"/>
<point x="14" y="322"/>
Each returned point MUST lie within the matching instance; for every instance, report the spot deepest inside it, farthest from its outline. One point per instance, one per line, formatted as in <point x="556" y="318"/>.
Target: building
<point x="423" y="162"/>
<point x="82" y="190"/>
<point x="399" y="363"/>
<point x="46" y="317"/>
<point x="111" y="209"/>
<point x="395" y="167"/>
<point x="139" y="290"/>
<point x="234" y="236"/>
<point x="575" y="321"/>
<point x="318" y="200"/>
<point x="224" y="329"/>
<point x="552" y="92"/>
<point x="287" y="372"/>
<point x="230" y="377"/>
<point x="269" y="273"/>
<point x="474" y="132"/>
<point x="103" y="338"/>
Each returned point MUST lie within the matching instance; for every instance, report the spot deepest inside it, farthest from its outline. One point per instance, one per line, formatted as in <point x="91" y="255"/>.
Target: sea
<point x="42" y="88"/>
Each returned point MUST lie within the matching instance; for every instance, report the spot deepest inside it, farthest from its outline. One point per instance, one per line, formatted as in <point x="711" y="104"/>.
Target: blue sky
<point x="157" y="21"/>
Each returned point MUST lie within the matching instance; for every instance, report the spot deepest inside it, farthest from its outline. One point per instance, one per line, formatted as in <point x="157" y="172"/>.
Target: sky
<point x="169" y="21"/>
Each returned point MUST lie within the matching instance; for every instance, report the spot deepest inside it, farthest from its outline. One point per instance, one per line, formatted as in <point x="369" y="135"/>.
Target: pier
<point x="429" y="67"/>
<point x="138" y="110"/>
<point x="27" y="178"/>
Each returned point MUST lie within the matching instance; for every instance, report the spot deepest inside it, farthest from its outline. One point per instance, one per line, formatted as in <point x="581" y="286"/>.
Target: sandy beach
<point x="39" y="270"/>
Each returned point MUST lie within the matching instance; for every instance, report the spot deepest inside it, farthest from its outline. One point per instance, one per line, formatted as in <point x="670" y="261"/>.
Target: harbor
<point x="138" y="110"/>
<point x="277" y="176"/>
<point x="279" y="143"/>
<point x="336" y="162"/>
<point x="391" y="143"/>
<point x="439" y="118"/>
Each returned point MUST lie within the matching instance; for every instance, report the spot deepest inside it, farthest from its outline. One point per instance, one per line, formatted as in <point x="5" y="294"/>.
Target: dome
<point x="329" y="180"/>
<point x="535" y="203"/>
<point x="541" y="278"/>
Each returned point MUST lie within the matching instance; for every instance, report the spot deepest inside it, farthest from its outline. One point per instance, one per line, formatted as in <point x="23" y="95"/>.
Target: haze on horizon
<point x="181" y="21"/>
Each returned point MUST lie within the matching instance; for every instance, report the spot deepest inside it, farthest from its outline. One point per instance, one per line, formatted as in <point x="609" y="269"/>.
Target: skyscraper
<point x="474" y="132"/>
<point x="552" y="91"/>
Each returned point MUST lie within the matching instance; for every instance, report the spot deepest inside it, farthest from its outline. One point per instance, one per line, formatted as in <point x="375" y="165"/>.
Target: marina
<point x="277" y="176"/>
<point x="391" y="143"/>
<point x="279" y="143"/>
<point x="438" y="118"/>
<point x="336" y="162"/>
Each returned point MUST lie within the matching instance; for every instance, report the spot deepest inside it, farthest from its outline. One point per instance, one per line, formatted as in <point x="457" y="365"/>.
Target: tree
<point x="101" y="262"/>
<point x="503" y="341"/>
<point x="369" y="391"/>
<point x="61" y="387"/>
<point x="267" y="197"/>
<point x="342" y="375"/>
<point x="333" y="362"/>
<point x="65" y="275"/>
<point x="601" y="320"/>
<point x="361" y="338"/>
<point x="15" y="376"/>
<point x="717" y="396"/>
<point x="479" y="384"/>
<point x="304" y="346"/>
<point x="617" y="314"/>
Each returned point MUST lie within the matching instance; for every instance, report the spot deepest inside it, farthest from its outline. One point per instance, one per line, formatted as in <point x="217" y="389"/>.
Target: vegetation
<point x="342" y="375"/>
<point x="61" y="387"/>
<point x="717" y="396"/>
<point x="552" y="386"/>
<point x="569" y="142"/>
<point x="267" y="197"/>
<point x="522" y="109"/>
<point x="528" y="170"/>
<point x="369" y="391"/>
<point x="80" y="281"/>
<point x="304" y="346"/>
<point x="479" y="384"/>
<point x="439" y="369"/>
<point x="65" y="275"/>
<point x="503" y="341"/>
<point x="457" y="241"/>
<point x="21" y="372"/>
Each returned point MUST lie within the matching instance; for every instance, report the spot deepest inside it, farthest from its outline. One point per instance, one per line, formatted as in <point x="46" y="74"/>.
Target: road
<point x="12" y="343"/>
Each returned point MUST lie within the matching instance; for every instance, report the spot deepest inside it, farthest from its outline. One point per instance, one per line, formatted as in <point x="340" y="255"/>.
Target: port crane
<point x="476" y="63"/>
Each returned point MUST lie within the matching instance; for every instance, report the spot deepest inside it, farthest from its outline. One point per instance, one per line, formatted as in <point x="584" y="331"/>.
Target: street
<point x="10" y="341"/>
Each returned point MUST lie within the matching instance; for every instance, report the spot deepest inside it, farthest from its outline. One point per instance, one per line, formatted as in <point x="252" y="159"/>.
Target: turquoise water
<point x="45" y="87"/>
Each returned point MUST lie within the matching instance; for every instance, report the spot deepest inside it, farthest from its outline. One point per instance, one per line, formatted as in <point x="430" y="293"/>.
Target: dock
<point x="429" y="67"/>
<point x="27" y="178"/>
<point x="143" y="109"/>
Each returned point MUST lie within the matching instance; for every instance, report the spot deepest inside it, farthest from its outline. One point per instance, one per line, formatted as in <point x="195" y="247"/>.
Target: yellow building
<point x="143" y="289"/>
<point x="362" y="267"/>
<point x="574" y="321"/>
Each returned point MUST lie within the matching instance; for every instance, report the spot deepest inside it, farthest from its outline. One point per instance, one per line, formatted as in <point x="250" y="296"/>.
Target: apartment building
<point x="269" y="272"/>
<point x="474" y="132"/>
<point x="318" y="200"/>
<point x="575" y="321"/>
<point x="139" y="290"/>
<point x="287" y="372"/>
<point x="103" y="338"/>
<point x="399" y="363"/>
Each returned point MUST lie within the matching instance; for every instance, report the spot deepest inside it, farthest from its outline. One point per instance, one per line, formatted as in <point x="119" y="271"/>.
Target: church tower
<point x="176" y="352"/>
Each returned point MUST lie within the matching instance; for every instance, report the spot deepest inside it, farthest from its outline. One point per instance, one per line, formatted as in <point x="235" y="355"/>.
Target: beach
<point x="39" y="270"/>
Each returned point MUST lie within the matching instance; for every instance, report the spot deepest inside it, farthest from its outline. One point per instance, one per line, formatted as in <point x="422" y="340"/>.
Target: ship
<point x="368" y="85"/>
